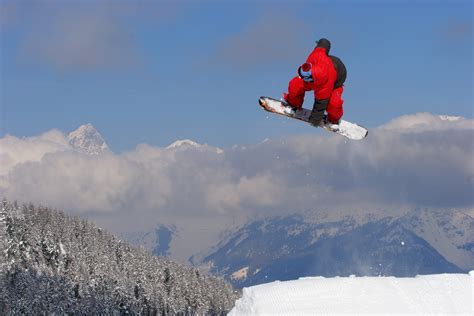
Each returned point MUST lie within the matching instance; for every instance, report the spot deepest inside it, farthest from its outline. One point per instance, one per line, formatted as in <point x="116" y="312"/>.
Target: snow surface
<point x="430" y="294"/>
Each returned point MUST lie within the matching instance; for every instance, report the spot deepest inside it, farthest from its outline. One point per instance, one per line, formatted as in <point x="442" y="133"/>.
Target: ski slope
<point x="446" y="294"/>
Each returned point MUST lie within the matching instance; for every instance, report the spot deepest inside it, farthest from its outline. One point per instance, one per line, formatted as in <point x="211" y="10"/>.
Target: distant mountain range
<point x="285" y="248"/>
<point x="88" y="140"/>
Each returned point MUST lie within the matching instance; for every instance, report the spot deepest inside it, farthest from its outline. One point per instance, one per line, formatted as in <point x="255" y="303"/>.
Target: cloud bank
<point x="415" y="161"/>
<point x="421" y="159"/>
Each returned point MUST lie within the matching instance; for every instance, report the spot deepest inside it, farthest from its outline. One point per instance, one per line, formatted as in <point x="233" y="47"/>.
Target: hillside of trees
<point x="52" y="263"/>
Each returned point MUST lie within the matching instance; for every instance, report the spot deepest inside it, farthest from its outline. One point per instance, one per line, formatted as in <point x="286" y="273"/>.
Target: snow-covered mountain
<point x="286" y="248"/>
<point x="88" y="140"/>
<point x="189" y="144"/>
<point x="450" y="232"/>
<point x="183" y="143"/>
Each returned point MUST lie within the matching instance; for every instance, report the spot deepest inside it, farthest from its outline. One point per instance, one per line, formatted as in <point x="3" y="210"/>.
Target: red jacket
<point x="324" y="73"/>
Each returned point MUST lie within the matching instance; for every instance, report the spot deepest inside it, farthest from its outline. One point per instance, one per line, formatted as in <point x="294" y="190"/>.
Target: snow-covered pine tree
<point x="59" y="265"/>
<point x="3" y="261"/>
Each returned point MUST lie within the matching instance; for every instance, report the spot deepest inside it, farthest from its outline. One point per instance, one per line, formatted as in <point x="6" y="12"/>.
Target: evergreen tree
<point x="3" y="260"/>
<point x="61" y="265"/>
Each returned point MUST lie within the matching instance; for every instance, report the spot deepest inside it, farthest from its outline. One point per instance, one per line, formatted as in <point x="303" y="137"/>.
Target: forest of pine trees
<point x="52" y="263"/>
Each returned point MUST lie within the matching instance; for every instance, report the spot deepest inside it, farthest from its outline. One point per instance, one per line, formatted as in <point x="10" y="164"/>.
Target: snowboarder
<point x="325" y="75"/>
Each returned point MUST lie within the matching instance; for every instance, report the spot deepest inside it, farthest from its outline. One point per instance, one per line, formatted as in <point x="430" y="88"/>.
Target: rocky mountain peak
<point x="88" y="140"/>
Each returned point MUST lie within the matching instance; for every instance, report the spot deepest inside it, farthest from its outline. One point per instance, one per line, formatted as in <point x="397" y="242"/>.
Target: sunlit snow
<point x="429" y="294"/>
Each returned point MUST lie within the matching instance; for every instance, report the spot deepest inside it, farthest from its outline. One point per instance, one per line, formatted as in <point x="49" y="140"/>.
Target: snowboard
<point x="344" y="128"/>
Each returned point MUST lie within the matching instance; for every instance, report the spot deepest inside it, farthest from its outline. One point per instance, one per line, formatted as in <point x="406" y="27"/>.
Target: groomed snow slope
<point x="431" y="294"/>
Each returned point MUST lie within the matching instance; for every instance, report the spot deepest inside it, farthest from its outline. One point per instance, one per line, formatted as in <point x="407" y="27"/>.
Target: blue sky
<point x="154" y="72"/>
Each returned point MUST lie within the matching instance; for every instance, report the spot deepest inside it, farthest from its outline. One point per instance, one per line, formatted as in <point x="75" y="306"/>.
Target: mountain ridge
<point x="290" y="247"/>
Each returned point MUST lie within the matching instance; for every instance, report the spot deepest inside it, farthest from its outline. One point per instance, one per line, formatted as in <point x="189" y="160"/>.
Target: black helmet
<point x="324" y="43"/>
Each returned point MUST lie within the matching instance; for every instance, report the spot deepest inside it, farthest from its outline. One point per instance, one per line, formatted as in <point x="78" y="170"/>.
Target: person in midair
<point x="325" y="75"/>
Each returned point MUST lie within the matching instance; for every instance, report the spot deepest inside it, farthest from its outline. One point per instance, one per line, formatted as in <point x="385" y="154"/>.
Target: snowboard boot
<point x="328" y="122"/>
<point x="289" y="109"/>
<point x="331" y="125"/>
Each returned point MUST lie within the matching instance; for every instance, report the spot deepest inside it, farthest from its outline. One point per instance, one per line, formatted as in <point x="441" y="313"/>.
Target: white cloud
<point x="396" y="166"/>
<point x="427" y="122"/>
<point x="14" y="151"/>
<point x="257" y="191"/>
